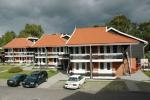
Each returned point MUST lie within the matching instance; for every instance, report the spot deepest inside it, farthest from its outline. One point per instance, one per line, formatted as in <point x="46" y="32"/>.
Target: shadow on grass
<point x="111" y="91"/>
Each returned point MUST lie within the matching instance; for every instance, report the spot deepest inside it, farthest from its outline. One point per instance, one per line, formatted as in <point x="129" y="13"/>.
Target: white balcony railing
<point x="99" y="57"/>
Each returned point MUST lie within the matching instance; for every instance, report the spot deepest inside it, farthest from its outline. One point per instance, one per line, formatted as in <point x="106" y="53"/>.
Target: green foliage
<point x="120" y="22"/>
<point x="15" y="70"/>
<point x="7" y="37"/>
<point x="147" y="55"/>
<point x="144" y="27"/>
<point x="31" y="30"/>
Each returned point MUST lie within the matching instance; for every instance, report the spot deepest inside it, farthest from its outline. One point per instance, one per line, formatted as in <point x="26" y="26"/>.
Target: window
<point x="101" y="49"/>
<point x="43" y="49"/>
<point x="101" y="65"/>
<point x="88" y="66"/>
<point x="77" y="66"/>
<point x="114" y="49"/>
<point x="108" y="49"/>
<point x="71" y="50"/>
<point x="83" y="65"/>
<point x="82" y="49"/>
<point x="54" y="49"/>
<point x="55" y="60"/>
<point x="44" y="60"/>
<point x="108" y="66"/>
<point x="58" y="49"/>
<point x="77" y="50"/>
<point x="61" y="49"/>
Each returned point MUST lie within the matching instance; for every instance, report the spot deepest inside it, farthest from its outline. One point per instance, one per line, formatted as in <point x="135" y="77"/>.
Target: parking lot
<point x="91" y="90"/>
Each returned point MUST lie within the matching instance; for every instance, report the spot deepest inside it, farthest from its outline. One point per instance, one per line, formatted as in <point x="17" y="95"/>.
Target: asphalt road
<point x="13" y="93"/>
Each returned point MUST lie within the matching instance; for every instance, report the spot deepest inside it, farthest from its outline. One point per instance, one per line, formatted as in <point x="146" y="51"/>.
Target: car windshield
<point x="34" y="75"/>
<point x="31" y="78"/>
<point x="73" y="79"/>
<point x="16" y="76"/>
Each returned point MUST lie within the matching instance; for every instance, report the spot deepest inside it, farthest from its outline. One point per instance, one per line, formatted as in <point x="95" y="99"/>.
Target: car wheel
<point x="20" y="84"/>
<point x="46" y="79"/>
<point x="79" y="86"/>
<point x="36" y="85"/>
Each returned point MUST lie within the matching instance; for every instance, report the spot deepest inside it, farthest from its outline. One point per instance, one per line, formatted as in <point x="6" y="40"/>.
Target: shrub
<point x="147" y="55"/>
<point x="15" y="70"/>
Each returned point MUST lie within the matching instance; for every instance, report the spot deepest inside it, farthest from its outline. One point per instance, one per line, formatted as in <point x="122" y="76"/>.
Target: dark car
<point x="16" y="80"/>
<point x="36" y="78"/>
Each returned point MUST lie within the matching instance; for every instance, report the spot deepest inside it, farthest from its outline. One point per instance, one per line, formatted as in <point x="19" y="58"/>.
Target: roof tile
<point x="50" y="40"/>
<point x="97" y="35"/>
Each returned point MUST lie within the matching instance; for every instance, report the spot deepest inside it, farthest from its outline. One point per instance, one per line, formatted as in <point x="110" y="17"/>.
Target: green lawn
<point x="143" y="86"/>
<point x="115" y="86"/>
<point x="6" y="75"/>
<point x="105" y="86"/>
<point x="5" y="67"/>
<point x="147" y="73"/>
<point x="51" y="73"/>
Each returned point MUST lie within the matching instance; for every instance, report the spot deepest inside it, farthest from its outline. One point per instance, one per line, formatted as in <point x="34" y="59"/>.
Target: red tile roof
<point x="50" y="40"/>
<point x="97" y="35"/>
<point x="19" y="43"/>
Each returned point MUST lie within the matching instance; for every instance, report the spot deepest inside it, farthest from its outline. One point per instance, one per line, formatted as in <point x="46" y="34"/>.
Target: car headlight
<point x="32" y="83"/>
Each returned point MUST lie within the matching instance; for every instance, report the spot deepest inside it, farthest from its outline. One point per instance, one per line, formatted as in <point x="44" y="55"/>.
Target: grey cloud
<point x="63" y="15"/>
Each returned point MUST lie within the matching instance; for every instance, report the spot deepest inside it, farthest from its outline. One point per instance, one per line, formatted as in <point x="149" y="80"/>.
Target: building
<point x="101" y="52"/>
<point x="19" y="51"/>
<point x="51" y="51"/>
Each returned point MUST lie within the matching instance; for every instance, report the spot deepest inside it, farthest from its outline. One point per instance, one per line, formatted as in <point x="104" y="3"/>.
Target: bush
<point x="15" y="70"/>
<point x="147" y="55"/>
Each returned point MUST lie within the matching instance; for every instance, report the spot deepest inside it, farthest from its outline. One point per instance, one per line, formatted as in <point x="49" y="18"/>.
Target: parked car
<point x="16" y="80"/>
<point x="36" y="78"/>
<point x="74" y="82"/>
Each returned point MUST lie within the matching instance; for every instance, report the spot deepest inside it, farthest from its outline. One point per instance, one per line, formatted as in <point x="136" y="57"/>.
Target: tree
<point x="121" y="23"/>
<point x="31" y="30"/>
<point x="135" y="31"/>
<point x="7" y="37"/>
<point x="144" y="27"/>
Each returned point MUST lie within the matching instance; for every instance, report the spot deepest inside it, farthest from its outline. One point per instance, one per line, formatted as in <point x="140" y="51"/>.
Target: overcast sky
<point x="63" y="15"/>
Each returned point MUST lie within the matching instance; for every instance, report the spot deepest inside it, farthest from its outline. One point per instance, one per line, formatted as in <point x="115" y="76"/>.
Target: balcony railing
<point x="108" y="56"/>
<point x="97" y="57"/>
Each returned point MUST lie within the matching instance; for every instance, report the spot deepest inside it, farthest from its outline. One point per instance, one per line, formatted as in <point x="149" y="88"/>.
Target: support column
<point x="13" y="56"/>
<point x="91" y="69"/>
<point x="26" y="55"/>
<point x="130" y="57"/>
<point x="68" y="68"/>
<point x="46" y="59"/>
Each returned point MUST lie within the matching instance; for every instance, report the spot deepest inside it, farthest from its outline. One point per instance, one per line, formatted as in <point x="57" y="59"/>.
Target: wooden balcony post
<point x="91" y="69"/>
<point x="46" y="56"/>
<point x="130" y="57"/>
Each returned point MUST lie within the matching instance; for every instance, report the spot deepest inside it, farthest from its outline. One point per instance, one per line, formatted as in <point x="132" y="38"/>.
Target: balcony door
<point x="105" y="67"/>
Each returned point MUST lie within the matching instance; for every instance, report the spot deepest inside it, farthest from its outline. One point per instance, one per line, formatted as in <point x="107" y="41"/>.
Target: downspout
<point x="144" y="52"/>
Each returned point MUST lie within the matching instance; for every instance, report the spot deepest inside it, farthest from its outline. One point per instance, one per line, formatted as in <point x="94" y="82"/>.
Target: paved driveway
<point x="8" y="93"/>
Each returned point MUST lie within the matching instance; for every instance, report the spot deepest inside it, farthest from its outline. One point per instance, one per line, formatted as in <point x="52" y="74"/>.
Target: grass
<point x="147" y="73"/>
<point x="6" y="75"/>
<point x="116" y="86"/>
<point x="5" y="67"/>
<point x="105" y="86"/>
<point x="51" y="73"/>
<point x="143" y="86"/>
